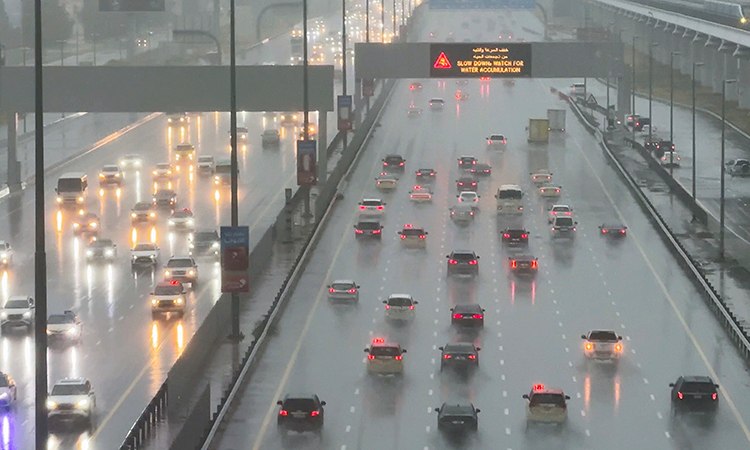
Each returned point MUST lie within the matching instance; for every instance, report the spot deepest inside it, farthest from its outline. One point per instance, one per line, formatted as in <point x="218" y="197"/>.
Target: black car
<point x="300" y="413"/>
<point x="426" y="174"/>
<point x="694" y="394"/>
<point x="205" y="242"/>
<point x="466" y="162"/>
<point x="463" y="262"/>
<point x="467" y="315"/>
<point x="515" y="236"/>
<point x="640" y="122"/>
<point x="457" y="417"/>
<point x="665" y="146"/>
<point x="523" y="264"/>
<point x="368" y="227"/>
<point x="460" y="356"/>
<point x="394" y="162"/>
<point x="466" y="183"/>
<point x="613" y="230"/>
<point x="481" y="169"/>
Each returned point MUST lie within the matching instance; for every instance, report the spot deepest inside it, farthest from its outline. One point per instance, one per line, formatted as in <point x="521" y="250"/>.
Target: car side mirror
<point x="576" y="222"/>
<point x="619" y="338"/>
<point x="381" y="227"/>
<point x="477" y="256"/>
<point x="322" y="403"/>
<point x="437" y="410"/>
<point x="526" y="396"/>
<point x="403" y="351"/>
<point x="31" y="302"/>
<point x="441" y="348"/>
<point x="671" y="384"/>
<point x="479" y="348"/>
<point x="567" y="397"/>
<point x="477" y="410"/>
<point x="452" y="309"/>
<point x="279" y="403"/>
<point x="367" y="351"/>
<point x="716" y="386"/>
<point x="358" y="286"/>
<point x="447" y="256"/>
<point x="385" y="302"/>
<point x="416" y="302"/>
<point x="92" y="393"/>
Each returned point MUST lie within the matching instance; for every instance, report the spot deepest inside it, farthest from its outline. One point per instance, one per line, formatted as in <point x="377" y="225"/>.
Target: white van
<point x="72" y="189"/>
<point x="509" y="199"/>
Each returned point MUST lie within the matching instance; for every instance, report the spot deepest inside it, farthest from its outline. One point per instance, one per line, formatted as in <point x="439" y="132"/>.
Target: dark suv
<point x="300" y="413"/>
<point x="694" y="394"/>
<point x="368" y="227"/>
<point x="394" y="162"/>
<point x="463" y="262"/>
<point x="515" y="236"/>
<point x="459" y="356"/>
<point x="457" y="418"/>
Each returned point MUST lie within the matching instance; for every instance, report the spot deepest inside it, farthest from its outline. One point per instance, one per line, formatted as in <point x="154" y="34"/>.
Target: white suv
<point x="18" y="312"/>
<point x="71" y="399"/>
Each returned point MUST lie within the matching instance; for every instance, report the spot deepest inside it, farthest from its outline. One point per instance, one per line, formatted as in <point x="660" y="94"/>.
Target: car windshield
<point x="168" y="289"/>
<point x="341" y="286"/>
<point x="603" y="336"/>
<point x="385" y="351"/>
<point x="182" y="214"/>
<point x="101" y="243"/>
<point x="60" y="319"/>
<point x="184" y="147"/>
<point x="369" y="226"/>
<point x="4" y="246"/>
<point x="142" y="207"/>
<point x="547" y="399"/>
<point x="110" y="169"/>
<point x="509" y="194"/>
<point x="17" y="304"/>
<point x="372" y="203"/>
<point x="3" y="381"/>
<point x="299" y="404"/>
<point x="69" y="389"/>
<point x="163" y="166"/>
<point x="205" y="159"/>
<point x="564" y="222"/>
<point x="144" y="247"/>
<point x="704" y="388"/>
<point x="181" y="262"/>
<point x="206" y="236"/>
<point x="165" y="194"/>
<point x="399" y="301"/>
<point x="463" y="256"/>
<point x="413" y="232"/>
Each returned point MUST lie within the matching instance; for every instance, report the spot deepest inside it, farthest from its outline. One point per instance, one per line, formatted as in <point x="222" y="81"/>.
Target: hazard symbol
<point x="442" y="62"/>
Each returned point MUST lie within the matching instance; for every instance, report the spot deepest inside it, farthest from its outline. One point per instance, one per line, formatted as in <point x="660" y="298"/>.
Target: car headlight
<point x="82" y="403"/>
<point x="89" y="253"/>
<point x="152" y="256"/>
<point x="3" y="255"/>
<point x="117" y="175"/>
<point x="133" y="215"/>
<point x="154" y="302"/>
<point x="191" y="245"/>
<point x="73" y="331"/>
<point x="4" y="315"/>
<point x="167" y="273"/>
<point x="191" y="221"/>
<point x="93" y="225"/>
<point x="153" y="214"/>
<point x="215" y="245"/>
<point x="153" y="172"/>
<point x="177" y="157"/>
<point x="59" y="199"/>
<point x="101" y="175"/>
<point x="51" y="404"/>
<point x="49" y="332"/>
<point x="153" y="200"/>
<point x="80" y="199"/>
<point x="4" y="396"/>
<point x="191" y="272"/>
<point x="27" y="314"/>
<point x="179" y="301"/>
<point x="171" y="222"/>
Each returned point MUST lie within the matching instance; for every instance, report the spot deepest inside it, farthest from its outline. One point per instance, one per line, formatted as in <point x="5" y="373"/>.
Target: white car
<point x="738" y="167"/>
<point x="386" y="181"/>
<point x="71" y="399"/>
<point x="167" y="297"/>
<point x="602" y="345"/>
<point x="181" y="268"/>
<point x="270" y="138"/>
<point x="6" y="254"/>
<point x="144" y="254"/>
<point x="462" y="213"/>
<point x="670" y="159"/>
<point x="66" y="326"/>
<point x="182" y="220"/>
<point x="399" y="307"/>
<point x="131" y="161"/>
<point x="8" y="391"/>
<point x="17" y="312"/>
<point x="541" y="176"/>
<point x="110" y="174"/>
<point x="420" y="194"/>
<point x="163" y="171"/>
<point x="559" y="210"/>
<point x="413" y="237"/>
<point x="563" y="227"/>
<point x="343" y="290"/>
<point x="206" y="165"/>
<point x="469" y="198"/>
<point x="372" y="206"/>
<point x="496" y="142"/>
<point x="437" y="104"/>
<point x="550" y="191"/>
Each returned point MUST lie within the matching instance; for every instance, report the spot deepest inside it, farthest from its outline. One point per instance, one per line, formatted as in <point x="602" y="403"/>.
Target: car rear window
<point x="463" y="256"/>
<point x="368" y="226"/>
<point x="385" y="351"/>
<point x="413" y="232"/>
<point x="497" y="137"/>
<point x="399" y="301"/>
<point x="299" y="404"/>
<point x="603" y="336"/>
<point x="705" y="388"/>
<point x="372" y="202"/>
<point x="171" y="289"/>
<point x="341" y="286"/>
<point x="564" y="222"/>
<point x="547" y="399"/>
<point x="391" y="159"/>
<point x="180" y="263"/>
<point x="513" y="194"/>
<point x="560" y="208"/>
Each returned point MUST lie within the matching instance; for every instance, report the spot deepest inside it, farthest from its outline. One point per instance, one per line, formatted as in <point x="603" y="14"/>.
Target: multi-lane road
<point x="532" y="327"/>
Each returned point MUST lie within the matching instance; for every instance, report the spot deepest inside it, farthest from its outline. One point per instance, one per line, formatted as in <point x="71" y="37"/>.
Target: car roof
<point x="457" y="409"/>
<point x="613" y="225"/>
<point x="697" y="379"/>
<point x="385" y="345"/>
<point x="436" y="99"/>
<point x="471" y="307"/>
<point x="165" y="191"/>
<point x="19" y="297"/>
<point x="400" y="296"/>
<point x="553" y="391"/>
<point x="300" y="396"/>
<point x="515" y="230"/>
<point x="459" y="347"/>
<point x="462" y="251"/>
<point x="103" y="242"/>
<point x="72" y="381"/>
<point x="482" y="165"/>
<point x="467" y="156"/>
<point x="560" y="206"/>
<point x="343" y="282"/>
<point x="524" y="257"/>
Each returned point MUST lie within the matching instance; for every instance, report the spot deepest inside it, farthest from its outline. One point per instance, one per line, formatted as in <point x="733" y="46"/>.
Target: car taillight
<point x="557" y="190"/>
<point x="714" y="396"/>
<point x="472" y="356"/>
<point x="524" y="236"/>
<point x="432" y="174"/>
<point x="422" y="236"/>
<point x="605" y="231"/>
<point x="589" y="346"/>
<point x="533" y="264"/>
<point x="403" y="236"/>
<point x="283" y="412"/>
<point x="477" y="316"/>
<point x="452" y="261"/>
<point x="419" y="174"/>
<point x="504" y="141"/>
<point x="489" y="142"/>
<point x="331" y="290"/>
<point x="460" y="183"/>
<point x="506" y="235"/>
<point x="398" y="358"/>
<point x="363" y="207"/>
<point x="473" y="184"/>
<point x="314" y="413"/>
<point x="411" y="306"/>
<point x="385" y="163"/>
<point x="513" y="264"/>
<point x="618" y="347"/>
<point x="473" y="162"/>
<point x="401" y="164"/>
<point x="473" y="262"/>
<point x="387" y="306"/>
<point x="378" y="231"/>
<point x="352" y="291"/>
<point x="370" y="356"/>
<point x="679" y="395"/>
<point x="446" y="356"/>
<point x="574" y="228"/>
<point x="457" y="316"/>
<point x="622" y="231"/>
<point x="358" y="231"/>
<point x="380" y="207"/>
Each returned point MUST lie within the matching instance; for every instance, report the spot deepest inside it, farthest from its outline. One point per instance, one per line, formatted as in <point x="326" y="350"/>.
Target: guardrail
<point x="154" y="413"/>
<point x="736" y="330"/>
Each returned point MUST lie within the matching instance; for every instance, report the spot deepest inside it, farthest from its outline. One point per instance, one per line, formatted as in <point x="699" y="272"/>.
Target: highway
<point x="123" y="352"/>
<point x="532" y="328"/>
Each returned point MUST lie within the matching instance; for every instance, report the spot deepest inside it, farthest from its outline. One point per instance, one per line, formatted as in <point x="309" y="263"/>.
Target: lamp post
<point x="367" y="21"/>
<point x="721" y="202"/>
<point x="671" y="107"/>
<point x="695" y="64"/>
<point x="393" y="12"/>
<point x="343" y="65"/>
<point x="62" y="51"/>
<point x="632" y="111"/>
<point x="236" y="333"/>
<point x="382" y="21"/>
<point x="650" y="87"/>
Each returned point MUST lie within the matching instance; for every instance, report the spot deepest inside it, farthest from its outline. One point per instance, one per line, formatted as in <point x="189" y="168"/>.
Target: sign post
<point x="307" y="174"/>
<point x="235" y="251"/>
<point x="368" y="87"/>
<point x="345" y="115"/>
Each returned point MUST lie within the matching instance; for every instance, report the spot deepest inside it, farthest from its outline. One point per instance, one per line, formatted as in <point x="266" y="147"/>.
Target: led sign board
<point x="474" y="60"/>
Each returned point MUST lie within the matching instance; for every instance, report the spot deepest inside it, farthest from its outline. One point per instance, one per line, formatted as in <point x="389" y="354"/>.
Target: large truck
<point x="297" y="44"/>
<point x="538" y="130"/>
<point x="556" y="119"/>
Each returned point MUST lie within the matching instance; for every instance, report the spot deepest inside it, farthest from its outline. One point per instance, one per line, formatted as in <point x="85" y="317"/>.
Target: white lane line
<point x="583" y="413"/>
<point x="645" y="381"/>
<point x="501" y="348"/>
<point x="506" y="411"/>
<point x="653" y="398"/>
<point x="658" y="414"/>
<point x="666" y="433"/>
<point x="507" y="431"/>
<point x="432" y="361"/>
<point x="348" y="428"/>
<point x="563" y="336"/>
<point x="588" y="433"/>
<point x="351" y="410"/>
<point x="505" y="393"/>
<point x="427" y="428"/>
<point x="567" y="350"/>
<point x="429" y="392"/>
<point x="343" y="447"/>
<point x="502" y="377"/>
<point x="574" y="379"/>
<point x="356" y="391"/>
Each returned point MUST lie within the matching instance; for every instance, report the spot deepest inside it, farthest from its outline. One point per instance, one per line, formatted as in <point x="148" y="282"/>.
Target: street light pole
<point x="671" y="108"/>
<point x="343" y="67"/>
<point x="721" y="203"/>
<point x="632" y="111"/>
<point x="236" y="333"/>
<point x="650" y="88"/>
<point x="367" y="21"/>
<point x="382" y="21"/>
<point x="393" y="13"/>
<point x="695" y="64"/>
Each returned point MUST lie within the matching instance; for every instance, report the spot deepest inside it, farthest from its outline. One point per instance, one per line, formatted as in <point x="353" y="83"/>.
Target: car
<point x="110" y="174"/>
<point x="184" y="152"/>
<point x="8" y="391"/>
<point x="343" y="290"/>
<point x="384" y="358"/>
<point x="515" y="236"/>
<point x="18" y="311"/>
<point x="163" y="171"/>
<point x="204" y="243"/>
<point x="737" y="167"/>
<point x="613" y="230"/>
<point x="457" y="418"/>
<point x="143" y="212"/>
<point x="550" y="191"/>
<point x="631" y="119"/>
<point x="602" y="345"/>
<point x="86" y="223"/>
<point x="462" y="213"/>
<point x="467" y="315"/>
<point x="413" y="111"/>
<point x="563" y="227"/>
<point x="670" y="159"/>
<point x="141" y="42"/>
<point x="64" y="327"/>
<point x="386" y="181"/>
<point x="642" y="122"/>
<point x="578" y="89"/>
<point x="470" y="198"/>
<point x="466" y="162"/>
<point x="463" y="262"/>
<point x="71" y="400"/>
<point x="130" y="161"/>
<point x="420" y="194"/>
<point x="664" y="145"/>
<point x="311" y="134"/>
<point x="413" y="237"/>
<point x="426" y="174"/>
<point x="509" y="82"/>
<point x="459" y="356"/>
<point x="168" y="297"/>
<point x="651" y="144"/>
<point x="372" y="206"/>
<point x="541" y="176"/>
<point x="463" y="82"/>
<point x="368" y="226"/>
<point x="178" y="119"/>
<point x="289" y="118"/>
<point x="437" y="104"/>
<point x="300" y="413"/>
<point x="165" y="198"/>
<point x="415" y="86"/>
<point x="395" y="162"/>
<point x="206" y="165"/>
<point x="467" y="183"/>
<point x="496" y="142"/>
<point x="182" y="220"/>
<point x="481" y="169"/>
<point x="6" y="254"/>
<point x="270" y="138"/>
<point x="101" y="250"/>
<point x="694" y="394"/>
<point x="242" y="135"/>
<point x="144" y="254"/>
<point x="546" y="405"/>
<point x="523" y="265"/>
<point x="399" y="307"/>
<point x="181" y="268"/>
<point x="461" y="95"/>
<point x="559" y="210"/>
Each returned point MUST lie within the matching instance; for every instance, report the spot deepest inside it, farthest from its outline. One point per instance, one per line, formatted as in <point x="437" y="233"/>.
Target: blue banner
<point x="482" y="4"/>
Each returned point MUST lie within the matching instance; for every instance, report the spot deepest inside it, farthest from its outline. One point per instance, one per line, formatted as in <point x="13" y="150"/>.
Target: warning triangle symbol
<point x="442" y="62"/>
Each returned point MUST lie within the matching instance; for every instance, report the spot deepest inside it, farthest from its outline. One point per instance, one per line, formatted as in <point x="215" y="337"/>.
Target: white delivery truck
<point x="556" y="119"/>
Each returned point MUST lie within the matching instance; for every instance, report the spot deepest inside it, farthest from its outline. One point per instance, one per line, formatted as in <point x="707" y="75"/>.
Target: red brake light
<point x="473" y="262"/>
<point x="506" y="235"/>
<point x="387" y="306"/>
<point x="363" y="207"/>
<point x="622" y="231"/>
<point x="331" y="290"/>
<point x="378" y="231"/>
<point x="400" y="164"/>
<point x="472" y="356"/>
<point x="378" y="341"/>
<point x="538" y="387"/>
<point x="533" y="264"/>
<point x="403" y="236"/>
<point x="419" y="174"/>
<point x="504" y="141"/>
<point x="489" y="141"/>
<point x="432" y="174"/>
<point x="473" y="184"/>
<point x="174" y="283"/>
<point x="477" y="316"/>
<point x="604" y="230"/>
<point x="457" y="316"/>
<point x="398" y="357"/>
<point x="359" y="231"/>
<point x="513" y="264"/>
<point x="385" y="163"/>
<point x="714" y="396"/>
<point x="283" y="412"/>
<point x="524" y="236"/>
<point x="679" y="395"/>
<point x="452" y="261"/>
<point x="411" y="306"/>
<point x="370" y="356"/>
<point x="446" y="356"/>
<point x="314" y="413"/>
<point x="557" y="190"/>
<point x="352" y="291"/>
<point x="380" y="207"/>
<point x="422" y="236"/>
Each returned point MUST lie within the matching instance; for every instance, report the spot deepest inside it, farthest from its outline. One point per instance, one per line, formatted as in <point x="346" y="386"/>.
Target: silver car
<point x="343" y="290"/>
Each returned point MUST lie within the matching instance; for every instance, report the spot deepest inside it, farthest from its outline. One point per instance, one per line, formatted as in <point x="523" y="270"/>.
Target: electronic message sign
<point x="474" y="60"/>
